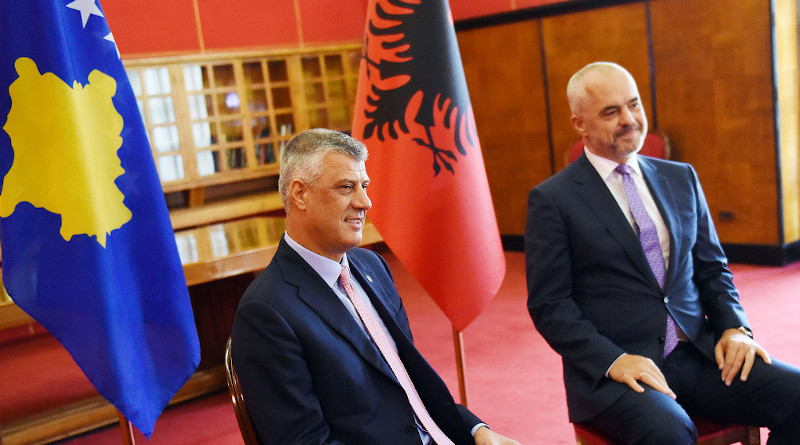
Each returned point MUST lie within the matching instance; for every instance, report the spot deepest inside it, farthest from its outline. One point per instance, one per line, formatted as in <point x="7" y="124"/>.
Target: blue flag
<point x="87" y="246"/>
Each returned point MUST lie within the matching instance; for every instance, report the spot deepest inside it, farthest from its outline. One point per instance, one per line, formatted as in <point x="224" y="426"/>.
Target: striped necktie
<point x="384" y="343"/>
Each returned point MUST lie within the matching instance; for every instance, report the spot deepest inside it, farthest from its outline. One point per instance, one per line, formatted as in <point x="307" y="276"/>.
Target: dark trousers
<point x="770" y="397"/>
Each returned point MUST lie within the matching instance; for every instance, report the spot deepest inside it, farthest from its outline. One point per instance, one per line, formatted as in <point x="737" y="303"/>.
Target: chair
<point x="708" y="432"/>
<point x="239" y="406"/>
<point x="655" y="145"/>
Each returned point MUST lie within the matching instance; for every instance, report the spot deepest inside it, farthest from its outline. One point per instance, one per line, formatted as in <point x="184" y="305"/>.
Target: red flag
<point x="431" y="197"/>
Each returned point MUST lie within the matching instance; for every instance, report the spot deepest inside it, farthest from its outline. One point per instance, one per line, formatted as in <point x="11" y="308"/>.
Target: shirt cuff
<point x="475" y="428"/>
<point x="612" y="363"/>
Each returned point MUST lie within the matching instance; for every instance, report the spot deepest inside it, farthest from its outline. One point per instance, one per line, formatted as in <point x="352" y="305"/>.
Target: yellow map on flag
<point x="65" y="142"/>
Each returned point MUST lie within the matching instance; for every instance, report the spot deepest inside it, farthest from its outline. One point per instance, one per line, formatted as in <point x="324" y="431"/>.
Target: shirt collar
<point x="328" y="269"/>
<point x="605" y="167"/>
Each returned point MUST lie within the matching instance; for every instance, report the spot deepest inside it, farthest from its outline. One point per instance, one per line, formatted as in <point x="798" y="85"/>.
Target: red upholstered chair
<point x="242" y="415"/>
<point x="655" y="145"/>
<point x="709" y="433"/>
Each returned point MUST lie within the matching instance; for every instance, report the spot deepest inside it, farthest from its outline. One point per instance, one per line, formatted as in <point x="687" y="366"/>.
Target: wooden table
<point x="213" y="252"/>
<point x="227" y="249"/>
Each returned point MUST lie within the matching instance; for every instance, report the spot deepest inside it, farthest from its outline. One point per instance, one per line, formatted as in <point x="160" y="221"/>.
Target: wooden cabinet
<point x="217" y="123"/>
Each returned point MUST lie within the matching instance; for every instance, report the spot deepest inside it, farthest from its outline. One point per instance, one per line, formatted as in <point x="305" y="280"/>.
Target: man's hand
<point x="631" y="369"/>
<point x="735" y="351"/>
<point x="485" y="436"/>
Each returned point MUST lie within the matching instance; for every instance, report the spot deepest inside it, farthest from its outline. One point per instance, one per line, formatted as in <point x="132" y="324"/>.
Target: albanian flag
<point x="431" y="196"/>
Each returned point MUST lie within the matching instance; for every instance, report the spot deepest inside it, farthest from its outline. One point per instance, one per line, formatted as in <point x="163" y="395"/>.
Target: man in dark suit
<point x="628" y="283"/>
<point x="310" y="341"/>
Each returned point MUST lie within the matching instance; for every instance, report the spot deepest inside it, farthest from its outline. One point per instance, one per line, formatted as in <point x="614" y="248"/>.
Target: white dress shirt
<point x="605" y="167"/>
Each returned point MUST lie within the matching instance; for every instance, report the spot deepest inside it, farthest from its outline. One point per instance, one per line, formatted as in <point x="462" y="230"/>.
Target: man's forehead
<point x="342" y="159"/>
<point x="344" y="166"/>
<point x="611" y="88"/>
<point x="609" y="78"/>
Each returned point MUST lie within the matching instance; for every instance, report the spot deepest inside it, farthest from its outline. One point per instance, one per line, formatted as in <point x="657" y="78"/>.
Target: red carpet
<point x="514" y="378"/>
<point x="37" y="373"/>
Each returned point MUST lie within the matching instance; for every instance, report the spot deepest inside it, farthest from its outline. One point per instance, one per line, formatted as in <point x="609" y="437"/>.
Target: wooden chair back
<point x="239" y="406"/>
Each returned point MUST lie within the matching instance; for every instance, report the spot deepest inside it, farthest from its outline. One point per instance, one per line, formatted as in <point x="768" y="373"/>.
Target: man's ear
<point x="297" y="194"/>
<point x="578" y="125"/>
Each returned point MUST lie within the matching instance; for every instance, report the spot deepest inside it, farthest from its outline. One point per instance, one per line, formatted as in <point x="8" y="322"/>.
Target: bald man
<point x="627" y="281"/>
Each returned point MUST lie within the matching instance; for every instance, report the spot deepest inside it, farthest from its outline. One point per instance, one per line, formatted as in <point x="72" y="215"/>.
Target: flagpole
<point x="127" y="430"/>
<point x="462" y="376"/>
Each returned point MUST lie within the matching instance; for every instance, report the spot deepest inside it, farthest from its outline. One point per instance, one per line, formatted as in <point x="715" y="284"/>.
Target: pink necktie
<point x="384" y="343"/>
<point x="648" y="237"/>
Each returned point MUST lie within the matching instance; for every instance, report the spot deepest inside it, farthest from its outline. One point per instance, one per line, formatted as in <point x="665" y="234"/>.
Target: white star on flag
<point x="110" y="38"/>
<point x="87" y="8"/>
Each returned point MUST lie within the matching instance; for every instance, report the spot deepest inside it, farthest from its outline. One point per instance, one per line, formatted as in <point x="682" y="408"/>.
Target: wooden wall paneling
<point x="786" y="60"/>
<point x="521" y="4"/>
<point x="503" y="68"/>
<point x="615" y="34"/>
<point x="463" y="9"/>
<point x="713" y="78"/>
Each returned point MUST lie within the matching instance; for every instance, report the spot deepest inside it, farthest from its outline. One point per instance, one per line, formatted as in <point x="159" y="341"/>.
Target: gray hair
<point x="576" y="88"/>
<point x="301" y="159"/>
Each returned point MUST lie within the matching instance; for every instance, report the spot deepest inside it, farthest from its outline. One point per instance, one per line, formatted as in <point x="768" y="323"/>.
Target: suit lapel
<point x="373" y="286"/>
<point x="595" y="194"/>
<point x="368" y="278"/>
<point x="323" y="301"/>
<point x="665" y="201"/>
<point x="431" y="388"/>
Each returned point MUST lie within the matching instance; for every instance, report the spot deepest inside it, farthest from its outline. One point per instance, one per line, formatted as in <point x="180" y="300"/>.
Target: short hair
<point x="302" y="157"/>
<point x="576" y="88"/>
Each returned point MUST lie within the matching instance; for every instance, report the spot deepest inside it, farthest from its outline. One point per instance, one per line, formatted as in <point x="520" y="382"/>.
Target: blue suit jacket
<point x="591" y="292"/>
<point x="311" y="375"/>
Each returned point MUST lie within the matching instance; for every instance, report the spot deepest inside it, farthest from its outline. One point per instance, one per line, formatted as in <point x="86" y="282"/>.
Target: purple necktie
<point x="648" y="237"/>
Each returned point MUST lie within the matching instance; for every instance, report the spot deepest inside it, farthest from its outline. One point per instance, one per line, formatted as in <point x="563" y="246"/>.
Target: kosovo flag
<point x="414" y="114"/>
<point x="87" y="246"/>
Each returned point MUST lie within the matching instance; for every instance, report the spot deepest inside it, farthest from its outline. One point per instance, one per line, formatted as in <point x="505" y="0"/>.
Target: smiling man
<point x="321" y="342"/>
<point x="628" y="282"/>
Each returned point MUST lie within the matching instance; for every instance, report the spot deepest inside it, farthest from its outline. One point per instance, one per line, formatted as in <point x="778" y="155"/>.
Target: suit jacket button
<point x="666" y="300"/>
<point x="661" y="340"/>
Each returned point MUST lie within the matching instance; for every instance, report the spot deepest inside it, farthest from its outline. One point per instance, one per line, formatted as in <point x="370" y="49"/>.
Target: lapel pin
<point x="369" y="278"/>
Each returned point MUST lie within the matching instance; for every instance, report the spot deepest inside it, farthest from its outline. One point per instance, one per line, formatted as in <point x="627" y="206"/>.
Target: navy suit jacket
<point x="591" y="292"/>
<point x="311" y="375"/>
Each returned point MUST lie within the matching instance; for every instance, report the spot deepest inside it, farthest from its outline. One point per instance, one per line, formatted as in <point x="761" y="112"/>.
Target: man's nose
<point x="626" y="117"/>
<point x="361" y="200"/>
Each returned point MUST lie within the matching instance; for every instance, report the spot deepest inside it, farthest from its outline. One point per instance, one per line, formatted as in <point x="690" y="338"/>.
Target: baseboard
<point x="763" y="255"/>
<point x="756" y="254"/>
<point x="513" y="243"/>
